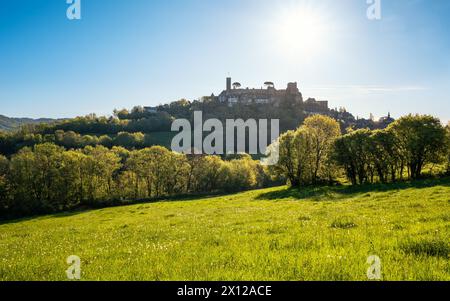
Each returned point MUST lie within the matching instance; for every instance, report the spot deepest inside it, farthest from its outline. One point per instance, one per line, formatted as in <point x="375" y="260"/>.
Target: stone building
<point x="234" y="94"/>
<point x="313" y="106"/>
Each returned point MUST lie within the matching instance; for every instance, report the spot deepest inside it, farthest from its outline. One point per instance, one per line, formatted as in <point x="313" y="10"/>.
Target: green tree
<point x="448" y="147"/>
<point x="421" y="140"/>
<point x="322" y="131"/>
<point x="100" y="166"/>
<point x="73" y="175"/>
<point x="295" y="157"/>
<point x="121" y="114"/>
<point x="106" y="141"/>
<point x="352" y="152"/>
<point x="304" y="154"/>
<point x="177" y="173"/>
<point x="287" y="164"/>
<point x="37" y="178"/>
<point x="206" y="174"/>
<point x="71" y="140"/>
<point x="384" y="156"/>
<point x="129" y="140"/>
<point x="22" y="175"/>
<point x="4" y="170"/>
<point x="239" y="174"/>
<point x="162" y="171"/>
<point x="88" y="140"/>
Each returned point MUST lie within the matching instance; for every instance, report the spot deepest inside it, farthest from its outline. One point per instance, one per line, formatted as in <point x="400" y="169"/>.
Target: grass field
<point x="272" y="234"/>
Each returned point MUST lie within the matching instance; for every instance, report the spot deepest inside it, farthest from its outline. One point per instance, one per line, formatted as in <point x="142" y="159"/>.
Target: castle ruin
<point x="234" y="94"/>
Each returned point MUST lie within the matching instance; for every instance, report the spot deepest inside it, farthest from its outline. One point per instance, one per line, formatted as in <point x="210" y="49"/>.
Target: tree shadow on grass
<point x="41" y="217"/>
<point x="312" y="193"/>
<point x="321" y="193"/>
<point x="109" y="204"/>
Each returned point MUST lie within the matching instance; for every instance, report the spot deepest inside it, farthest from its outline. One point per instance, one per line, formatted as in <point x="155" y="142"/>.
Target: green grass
<point x="272" y="234"/>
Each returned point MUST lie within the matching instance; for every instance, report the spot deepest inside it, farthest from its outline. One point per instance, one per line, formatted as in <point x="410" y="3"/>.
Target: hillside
<point x="7" y="123"/>
<point x="271" y="234"/>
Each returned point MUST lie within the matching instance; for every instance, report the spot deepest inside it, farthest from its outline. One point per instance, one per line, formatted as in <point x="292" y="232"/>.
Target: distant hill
<point x="8" y="124"/>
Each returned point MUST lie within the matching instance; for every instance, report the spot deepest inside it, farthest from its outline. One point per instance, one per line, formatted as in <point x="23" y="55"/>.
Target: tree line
<point x="318" y="153"/>
<point x="47" y="178"/>
<point x="11" y="143"/>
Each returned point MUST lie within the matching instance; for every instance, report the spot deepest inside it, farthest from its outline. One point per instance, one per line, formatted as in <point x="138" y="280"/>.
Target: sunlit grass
<point x="271" y="234"/>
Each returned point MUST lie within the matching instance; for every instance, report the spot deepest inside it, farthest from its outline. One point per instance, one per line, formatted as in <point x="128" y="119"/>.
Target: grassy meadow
<point x="271" y="234"/>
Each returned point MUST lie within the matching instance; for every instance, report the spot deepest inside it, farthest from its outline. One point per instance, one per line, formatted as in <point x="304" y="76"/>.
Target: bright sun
<point x="301" y="30"/>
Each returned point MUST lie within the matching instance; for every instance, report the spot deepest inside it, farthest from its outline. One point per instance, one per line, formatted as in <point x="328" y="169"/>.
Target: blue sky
<point x="141" y="52"/>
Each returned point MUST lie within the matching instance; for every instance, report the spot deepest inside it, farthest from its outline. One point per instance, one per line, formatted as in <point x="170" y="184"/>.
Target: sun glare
<point x="301" y="30"/>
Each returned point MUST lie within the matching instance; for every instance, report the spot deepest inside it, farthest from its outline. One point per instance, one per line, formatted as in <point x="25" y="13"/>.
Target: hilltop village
<point x="287" y="104"/>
